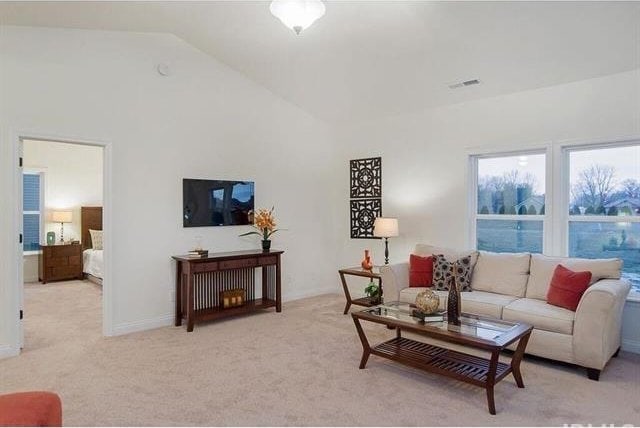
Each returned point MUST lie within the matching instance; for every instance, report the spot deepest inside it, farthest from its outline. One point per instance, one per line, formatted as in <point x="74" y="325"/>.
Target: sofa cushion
<point x="540" y="315"/>
<point x="567" y="287"/>
<point x="484" y="303"/>
<point x="420" y="271"/>
<point x="542" y="268"/>
<point x="408" y="295"/>
<point x="504" y="273"/>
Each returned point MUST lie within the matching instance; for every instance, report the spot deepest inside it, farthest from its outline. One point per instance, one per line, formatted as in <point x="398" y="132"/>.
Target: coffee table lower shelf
<point x="460" y="366"/>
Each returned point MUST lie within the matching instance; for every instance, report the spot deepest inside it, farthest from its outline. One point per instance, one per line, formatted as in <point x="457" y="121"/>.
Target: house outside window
<point x="604" y="208"/>
<point x="510" y="202"/>
<point x="31" y="206"/>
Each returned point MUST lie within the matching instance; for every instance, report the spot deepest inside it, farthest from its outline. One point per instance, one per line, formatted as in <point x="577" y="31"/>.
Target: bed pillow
<point x="420" y="271"/>
<point x="96" y="239"/>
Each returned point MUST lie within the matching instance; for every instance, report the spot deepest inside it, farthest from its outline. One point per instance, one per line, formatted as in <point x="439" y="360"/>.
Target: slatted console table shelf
<point x="199" y="282"/>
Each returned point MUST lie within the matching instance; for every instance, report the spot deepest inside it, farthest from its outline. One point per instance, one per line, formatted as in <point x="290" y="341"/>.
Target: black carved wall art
<point x="366" y="178"/>
<point x="363" y="213"/>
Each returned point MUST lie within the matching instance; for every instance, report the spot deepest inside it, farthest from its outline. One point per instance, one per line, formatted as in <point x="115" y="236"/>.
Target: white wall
<point x="204" y="120"/>
<point x="425" y="155"/>
<point x="72" y="179"/>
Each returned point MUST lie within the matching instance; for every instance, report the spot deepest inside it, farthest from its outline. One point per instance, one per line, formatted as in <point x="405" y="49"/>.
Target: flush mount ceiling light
<point x="297" y="14"/>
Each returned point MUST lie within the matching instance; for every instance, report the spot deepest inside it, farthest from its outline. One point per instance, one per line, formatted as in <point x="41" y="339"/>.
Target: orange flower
<point x="265" y="222"/>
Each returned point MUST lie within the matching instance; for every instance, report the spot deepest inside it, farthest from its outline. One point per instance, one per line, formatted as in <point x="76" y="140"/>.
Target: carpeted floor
<point x="299" y="367"/>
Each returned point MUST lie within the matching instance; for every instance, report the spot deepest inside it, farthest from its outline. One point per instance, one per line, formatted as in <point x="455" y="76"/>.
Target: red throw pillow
<point x="420" y="271"/>
<point x="567" y="287"/>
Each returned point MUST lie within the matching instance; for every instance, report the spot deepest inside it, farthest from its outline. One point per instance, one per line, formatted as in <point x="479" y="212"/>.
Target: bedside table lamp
<point x="385" y="227"/>
<point x="61" y="217"/>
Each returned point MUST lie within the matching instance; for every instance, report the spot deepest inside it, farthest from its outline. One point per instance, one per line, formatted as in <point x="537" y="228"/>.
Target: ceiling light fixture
<point x="297" y="14"/>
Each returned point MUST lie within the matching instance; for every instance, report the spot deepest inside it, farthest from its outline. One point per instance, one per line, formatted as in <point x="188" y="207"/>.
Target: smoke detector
<point x="464" y="83"/>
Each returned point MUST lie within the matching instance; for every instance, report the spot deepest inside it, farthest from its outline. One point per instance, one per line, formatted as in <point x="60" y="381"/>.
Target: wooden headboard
<point x="90" y="218"/>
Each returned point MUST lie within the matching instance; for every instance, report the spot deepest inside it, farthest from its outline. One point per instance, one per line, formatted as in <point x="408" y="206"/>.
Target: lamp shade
<point x="297" y="14"/>
<point x="61" y="216"/>
<point x="385" y="227"/>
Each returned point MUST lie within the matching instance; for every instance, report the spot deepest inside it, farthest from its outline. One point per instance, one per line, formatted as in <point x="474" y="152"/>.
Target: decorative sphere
<point x="427" y="301"/>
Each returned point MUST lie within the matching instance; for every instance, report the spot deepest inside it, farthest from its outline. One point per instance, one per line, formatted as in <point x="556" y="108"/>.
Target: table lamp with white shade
<point x="61" y="217"/>
<point x="385" y="227"/>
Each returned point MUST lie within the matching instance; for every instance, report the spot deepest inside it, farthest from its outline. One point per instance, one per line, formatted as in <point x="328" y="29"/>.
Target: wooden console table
<point x="199" y="282"/>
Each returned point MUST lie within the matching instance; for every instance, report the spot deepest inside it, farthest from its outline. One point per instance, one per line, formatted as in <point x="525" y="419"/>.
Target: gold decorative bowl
<point x="427" y="302"/>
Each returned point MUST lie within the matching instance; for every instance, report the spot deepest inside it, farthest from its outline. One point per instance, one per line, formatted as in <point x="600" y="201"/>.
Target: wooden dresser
<point x="60" y="262"/>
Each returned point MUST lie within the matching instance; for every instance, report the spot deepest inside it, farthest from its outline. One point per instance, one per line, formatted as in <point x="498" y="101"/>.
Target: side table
<point x="358" y="271"/>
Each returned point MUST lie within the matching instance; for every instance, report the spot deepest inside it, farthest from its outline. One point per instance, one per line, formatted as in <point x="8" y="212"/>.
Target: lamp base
<point x="386" y="251"/>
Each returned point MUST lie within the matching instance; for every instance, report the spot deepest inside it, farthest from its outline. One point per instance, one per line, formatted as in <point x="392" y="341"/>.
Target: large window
<point x="596" y="189"/>
<point x="31" y="202"/>
<point x="510" y="202"/>
<point x="604" y="207"/>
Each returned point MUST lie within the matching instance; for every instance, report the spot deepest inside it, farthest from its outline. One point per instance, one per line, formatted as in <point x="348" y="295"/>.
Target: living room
<point x="222" y="90"/>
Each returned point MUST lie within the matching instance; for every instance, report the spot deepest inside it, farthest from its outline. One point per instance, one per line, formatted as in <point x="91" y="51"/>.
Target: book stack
<point x="435" y="317"/>
<point x="198" y="253"/>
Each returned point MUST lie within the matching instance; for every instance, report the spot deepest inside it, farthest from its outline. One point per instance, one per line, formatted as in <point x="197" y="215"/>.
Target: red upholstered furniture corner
<point x="36" y="409"/>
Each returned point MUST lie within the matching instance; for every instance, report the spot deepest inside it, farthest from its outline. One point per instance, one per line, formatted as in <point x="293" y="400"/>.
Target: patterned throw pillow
<point x="443" y="273"/>
<point x="96" y="239"/>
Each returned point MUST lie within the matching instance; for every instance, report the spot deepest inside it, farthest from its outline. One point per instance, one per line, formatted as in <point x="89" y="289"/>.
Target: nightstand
<point x="60" y="262"/>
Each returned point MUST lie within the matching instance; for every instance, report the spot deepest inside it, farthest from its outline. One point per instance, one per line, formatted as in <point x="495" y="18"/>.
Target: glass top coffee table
<point x="487" y="334"/>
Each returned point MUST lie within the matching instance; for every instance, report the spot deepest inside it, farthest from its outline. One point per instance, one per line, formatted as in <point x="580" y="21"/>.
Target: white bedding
<point x="92" y="262"/>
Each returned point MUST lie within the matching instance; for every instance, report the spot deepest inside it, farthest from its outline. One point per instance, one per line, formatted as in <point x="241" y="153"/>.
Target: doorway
<point x="62" y="215"/>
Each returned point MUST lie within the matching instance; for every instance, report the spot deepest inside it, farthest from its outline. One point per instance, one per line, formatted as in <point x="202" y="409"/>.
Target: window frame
<point x="555" y="241"/>
<point x="41" y="212"/>
<point x="474" y="158"/>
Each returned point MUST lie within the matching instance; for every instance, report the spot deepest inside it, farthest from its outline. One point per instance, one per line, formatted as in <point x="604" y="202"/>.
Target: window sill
<point x="31" y="253"/>
<point x="634" y="296"/>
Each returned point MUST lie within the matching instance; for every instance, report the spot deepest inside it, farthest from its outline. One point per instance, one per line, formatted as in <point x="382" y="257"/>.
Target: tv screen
<point x="217" y="202"/>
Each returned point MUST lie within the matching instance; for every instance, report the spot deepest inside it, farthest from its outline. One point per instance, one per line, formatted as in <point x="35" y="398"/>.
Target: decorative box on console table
<point x="201" y="283"/>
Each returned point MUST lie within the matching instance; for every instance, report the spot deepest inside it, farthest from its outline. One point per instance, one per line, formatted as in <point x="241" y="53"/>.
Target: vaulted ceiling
<point x="365" y="60"/>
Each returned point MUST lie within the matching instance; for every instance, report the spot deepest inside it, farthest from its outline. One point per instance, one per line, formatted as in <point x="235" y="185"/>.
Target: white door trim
<point x="16" y="139"/>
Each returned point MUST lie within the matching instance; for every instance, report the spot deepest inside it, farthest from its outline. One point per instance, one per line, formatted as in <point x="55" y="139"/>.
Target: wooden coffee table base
<point x="458" y="365"/>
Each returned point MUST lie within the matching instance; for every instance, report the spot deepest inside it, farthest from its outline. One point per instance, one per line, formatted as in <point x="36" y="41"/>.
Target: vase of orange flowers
<point x="265" y="223"/>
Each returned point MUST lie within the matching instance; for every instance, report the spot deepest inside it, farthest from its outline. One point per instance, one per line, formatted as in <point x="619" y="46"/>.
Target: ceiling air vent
<point x="457" y="85"/>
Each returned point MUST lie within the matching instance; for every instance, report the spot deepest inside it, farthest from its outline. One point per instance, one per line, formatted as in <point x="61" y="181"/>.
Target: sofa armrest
<point x="395" y="277"/>
<point x="598" y="323"/>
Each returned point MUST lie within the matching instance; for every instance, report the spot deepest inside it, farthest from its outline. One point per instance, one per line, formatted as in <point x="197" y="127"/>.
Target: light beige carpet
<point x="299" y="367"/>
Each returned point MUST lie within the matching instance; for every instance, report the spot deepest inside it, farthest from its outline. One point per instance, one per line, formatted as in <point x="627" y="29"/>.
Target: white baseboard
<point x="310" y="293"/>
<point x="631" y="346"/>
<point x="7" y="351"/>
<point x="142" y="325"/>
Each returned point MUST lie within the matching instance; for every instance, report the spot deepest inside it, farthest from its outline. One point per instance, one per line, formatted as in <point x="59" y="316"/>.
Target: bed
<point x="92" y="259"/>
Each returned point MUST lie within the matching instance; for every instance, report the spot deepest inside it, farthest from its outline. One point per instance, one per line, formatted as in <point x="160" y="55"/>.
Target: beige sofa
<point x="513" y="287"/>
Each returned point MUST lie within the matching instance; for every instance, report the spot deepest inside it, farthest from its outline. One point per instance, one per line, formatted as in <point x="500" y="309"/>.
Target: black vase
<point x="266" y="245"/>
<point x="453" y="303"/>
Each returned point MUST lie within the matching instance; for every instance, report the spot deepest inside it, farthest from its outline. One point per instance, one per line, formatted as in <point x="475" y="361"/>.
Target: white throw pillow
<point x="96" y="239"/>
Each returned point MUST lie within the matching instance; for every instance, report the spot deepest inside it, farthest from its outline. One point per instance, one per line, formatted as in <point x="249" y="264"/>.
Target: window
<point x="596" y="186"/>
<point x="604" y="207"/>
<point x="31" y="202"/>
<point x="510" y="202"/>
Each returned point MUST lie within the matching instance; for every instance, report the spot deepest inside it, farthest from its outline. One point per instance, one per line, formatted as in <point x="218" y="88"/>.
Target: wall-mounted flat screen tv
<point x="217" y="202"/>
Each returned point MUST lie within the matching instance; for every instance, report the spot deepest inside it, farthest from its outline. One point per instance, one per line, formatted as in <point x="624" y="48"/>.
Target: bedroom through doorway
<point x="62" y="242"/>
